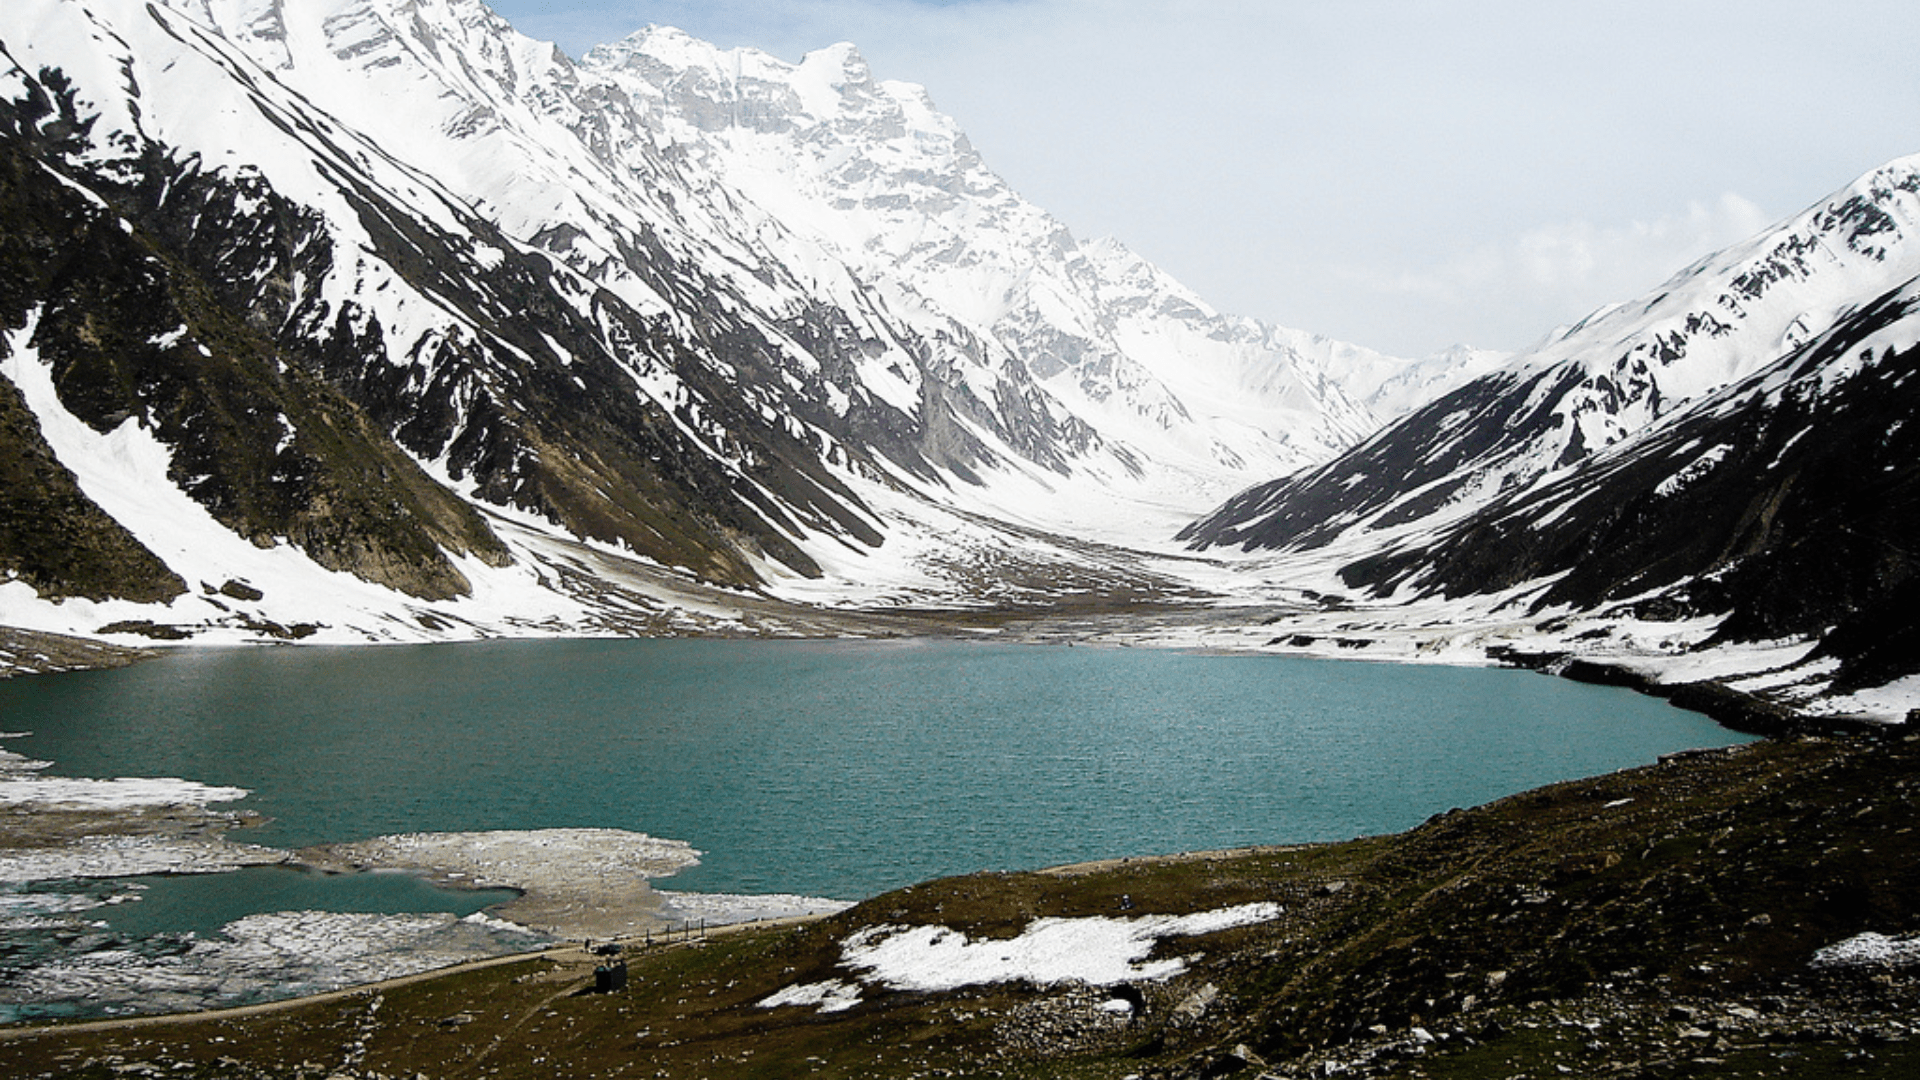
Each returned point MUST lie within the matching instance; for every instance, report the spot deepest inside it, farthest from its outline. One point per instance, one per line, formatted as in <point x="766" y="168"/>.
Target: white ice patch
<point x="720" y="909"/>
<point x="131" y="856"/>
<point x="1869" y="950"/>
<point x="1097" y="951"/>
<point x="515" y="858"/>
<point x="34" y="911"/>
<point x="123" y="793"/>
<point x="266" y="957"/>
<point x="833" y="995"/>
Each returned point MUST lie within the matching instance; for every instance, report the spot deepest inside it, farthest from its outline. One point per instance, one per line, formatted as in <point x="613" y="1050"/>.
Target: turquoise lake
<point x="837" y="768"/>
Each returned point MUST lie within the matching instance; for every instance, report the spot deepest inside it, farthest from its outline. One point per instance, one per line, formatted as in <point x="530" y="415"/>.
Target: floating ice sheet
<point x="260" y="958"/>
<point x="719" y="909"/>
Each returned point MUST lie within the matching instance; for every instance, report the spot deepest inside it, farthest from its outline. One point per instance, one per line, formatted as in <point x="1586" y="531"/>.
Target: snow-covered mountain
<point x="382" y="310"/>
<point x="1609" y="378"/>
<point x="870" y="171"/>
<point x="1732" y="450"/>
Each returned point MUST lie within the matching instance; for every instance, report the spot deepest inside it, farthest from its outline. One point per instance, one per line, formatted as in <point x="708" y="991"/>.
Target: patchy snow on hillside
<point x="1096" y="951"/>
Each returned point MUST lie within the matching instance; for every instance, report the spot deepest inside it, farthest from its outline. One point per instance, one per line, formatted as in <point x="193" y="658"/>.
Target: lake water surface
<point x="838" y="768"/>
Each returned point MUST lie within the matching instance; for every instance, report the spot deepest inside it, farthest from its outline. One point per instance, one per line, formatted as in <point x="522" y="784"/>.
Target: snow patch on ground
<point x="1097" y="951"/>
<point x="720" y="909"/>
<point x="1869" y="950"/>
<point x="833" y="995"/>
<point x="1893" y="702"/>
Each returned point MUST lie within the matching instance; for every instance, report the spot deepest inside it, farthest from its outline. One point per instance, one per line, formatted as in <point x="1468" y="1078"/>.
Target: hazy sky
<point x="1406" y="175"/>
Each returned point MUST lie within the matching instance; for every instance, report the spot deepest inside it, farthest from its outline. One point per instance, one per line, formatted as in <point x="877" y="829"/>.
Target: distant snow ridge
<point x="1617" y="375"/>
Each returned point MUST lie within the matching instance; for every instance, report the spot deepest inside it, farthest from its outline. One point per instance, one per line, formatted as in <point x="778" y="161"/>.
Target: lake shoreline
<point x="1718" y="699"/>
<point x="1654" y="921"/>
<point x="35" y="652"/>
<point x="630" y="908"/>
<point x="91" y="839"/>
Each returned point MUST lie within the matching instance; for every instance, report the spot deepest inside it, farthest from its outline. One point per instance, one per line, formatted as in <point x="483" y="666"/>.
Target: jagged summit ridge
<point x="1606" y="380"/>
<point x="872" y="171"/>
<point x="1725" y="462"/>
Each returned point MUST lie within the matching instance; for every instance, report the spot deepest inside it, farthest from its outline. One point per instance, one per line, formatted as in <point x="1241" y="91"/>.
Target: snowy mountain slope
<point x="369" y="281"/>
<point x="1743" y="488"/>
<point x="747" y="215"/>
<point x="871" y="172"/>
<point x="103" y="333"/>
<point x="1618" y="374"/>
<point x="1783" y="502"/>
<point x="476" y="356"/>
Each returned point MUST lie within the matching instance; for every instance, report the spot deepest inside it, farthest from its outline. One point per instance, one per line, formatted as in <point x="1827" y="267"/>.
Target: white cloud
<point x="1575" y="266"/>
<point x="1556" y="273"/>
<point x="1578" y="255"/>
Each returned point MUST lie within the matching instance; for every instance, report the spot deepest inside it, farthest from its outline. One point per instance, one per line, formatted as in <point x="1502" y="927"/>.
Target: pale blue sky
<point x="1406" y="175"/>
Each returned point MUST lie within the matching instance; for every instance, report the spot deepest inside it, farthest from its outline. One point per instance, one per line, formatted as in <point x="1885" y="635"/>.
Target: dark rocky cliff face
<point x="1786" y="504"/>
<point x="51" y="535"/>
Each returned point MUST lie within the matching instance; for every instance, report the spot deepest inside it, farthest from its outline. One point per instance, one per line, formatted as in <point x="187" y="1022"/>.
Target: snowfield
<point x="1096" y="951"/>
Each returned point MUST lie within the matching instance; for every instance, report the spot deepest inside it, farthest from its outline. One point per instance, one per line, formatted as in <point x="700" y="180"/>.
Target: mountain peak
<point x="747" y="318"/>
<point x="843" y="57"/>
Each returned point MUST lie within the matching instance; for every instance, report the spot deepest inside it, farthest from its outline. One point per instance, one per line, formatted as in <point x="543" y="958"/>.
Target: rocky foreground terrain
<point x="25" y="652"/>
<point x="1721" y="913"/>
